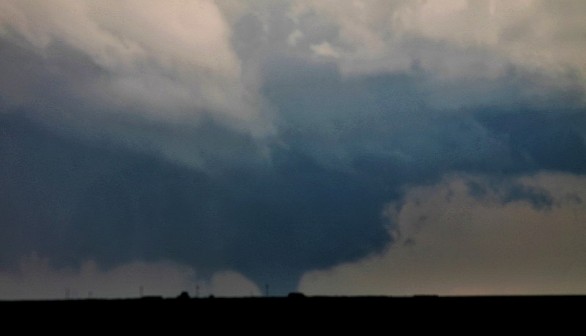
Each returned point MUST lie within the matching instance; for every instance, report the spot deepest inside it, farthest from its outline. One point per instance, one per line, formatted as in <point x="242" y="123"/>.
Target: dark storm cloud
<point x="347" y="147"/>
<point x="86" y="174"/>
<point x="551" y="140"/>
<point x="391" y="120"/>
<point x="115" y="206"/>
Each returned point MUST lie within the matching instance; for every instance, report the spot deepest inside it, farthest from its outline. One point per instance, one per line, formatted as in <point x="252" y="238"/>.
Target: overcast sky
<point x="333" y="147"/>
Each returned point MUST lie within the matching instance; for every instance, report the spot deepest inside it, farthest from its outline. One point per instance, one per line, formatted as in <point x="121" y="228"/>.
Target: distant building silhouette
<point x="183" y="296"/>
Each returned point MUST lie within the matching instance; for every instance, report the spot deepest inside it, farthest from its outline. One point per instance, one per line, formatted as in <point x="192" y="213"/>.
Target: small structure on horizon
<point x="183" y="296"/>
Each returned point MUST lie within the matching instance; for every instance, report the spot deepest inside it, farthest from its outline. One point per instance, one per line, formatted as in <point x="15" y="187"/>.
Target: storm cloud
<point x="269" y="139"/>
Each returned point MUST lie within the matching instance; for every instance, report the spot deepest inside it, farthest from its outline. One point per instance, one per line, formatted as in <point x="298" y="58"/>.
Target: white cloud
<point x="171" y="60"/>
<point x="451" y="243"/>
<point x="537" y="34"/>
<point x="294" y="37"/>
<point x="324" y="49"/>
<point x="452" y="37"/>
<point x="176" y="60"/>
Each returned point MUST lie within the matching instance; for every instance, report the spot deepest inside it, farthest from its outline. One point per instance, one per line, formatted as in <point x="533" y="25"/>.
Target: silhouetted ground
<point x="305" y="315"/>
<point x="414" y="304"/>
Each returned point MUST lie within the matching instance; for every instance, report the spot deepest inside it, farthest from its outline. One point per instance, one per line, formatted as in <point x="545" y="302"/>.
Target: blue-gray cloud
<point x="72" y="201"/>
<point x="82" y="180"/>
<point x="345" y="149"/>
